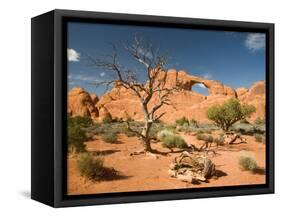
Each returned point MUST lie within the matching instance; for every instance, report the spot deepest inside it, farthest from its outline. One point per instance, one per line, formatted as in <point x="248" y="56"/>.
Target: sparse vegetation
<point x="248" y="129"/>
<point x="82" y="122"/>
<point x="204" y="137"/>
<point x="173" y="141"/>
<point x="193" y="122"/>
<point x="247" y="161"/>
<point x="229" y="113"/>
<point x="259" y="138"/>
<point x="182" y="121"/>
<point x="76" y="135"/>
<point x="93" y="168"/>
<point x="110" y="137"/>
<point x="219" y="141"/>
<point x="259" y="121"/>
<point x="106" y="120"/>
<point x="164" y="133"/>
<point x="244" y="129"/>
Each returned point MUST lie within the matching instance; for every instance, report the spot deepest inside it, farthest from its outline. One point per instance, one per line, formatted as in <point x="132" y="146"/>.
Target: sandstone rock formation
<point x="80" y="103"/>
<point x="121" y="103"/>
<point x="95" y="98"/>
<point x="255" y="96"/>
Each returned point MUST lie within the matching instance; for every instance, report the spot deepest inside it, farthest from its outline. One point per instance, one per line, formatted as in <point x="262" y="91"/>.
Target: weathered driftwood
<point x="230" y="138"/>
<point x="192" y="167"/>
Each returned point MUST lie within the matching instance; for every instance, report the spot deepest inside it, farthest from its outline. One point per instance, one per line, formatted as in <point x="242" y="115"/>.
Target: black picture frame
<point x="49" y="91"/>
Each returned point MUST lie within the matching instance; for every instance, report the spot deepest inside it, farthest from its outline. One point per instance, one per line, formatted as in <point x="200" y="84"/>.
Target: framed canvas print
<point x="133" y="108"/>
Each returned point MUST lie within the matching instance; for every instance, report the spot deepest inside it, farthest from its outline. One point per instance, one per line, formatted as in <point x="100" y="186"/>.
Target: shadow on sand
<point x="104" y="152"/>
<point x="112" y="175"/>
<point x="220" y="173"/>
<point x="259" y="171"/>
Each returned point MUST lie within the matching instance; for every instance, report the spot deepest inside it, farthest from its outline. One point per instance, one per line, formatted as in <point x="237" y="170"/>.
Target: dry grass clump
<point x="93" y="168"/>
<point x="247" y="161"/>
<point x="110" y="137"/>
<point x="171" y="140"/>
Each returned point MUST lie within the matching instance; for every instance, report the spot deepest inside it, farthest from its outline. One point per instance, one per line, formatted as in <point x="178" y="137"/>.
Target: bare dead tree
<point x="154" y="87"/>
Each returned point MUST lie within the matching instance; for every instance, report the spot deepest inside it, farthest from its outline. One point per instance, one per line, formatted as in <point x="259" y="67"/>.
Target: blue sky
<point x="236" y="59"/>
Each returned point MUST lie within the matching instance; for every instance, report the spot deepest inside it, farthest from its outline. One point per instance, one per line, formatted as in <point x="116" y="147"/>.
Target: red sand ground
<point x="144" y="172"/>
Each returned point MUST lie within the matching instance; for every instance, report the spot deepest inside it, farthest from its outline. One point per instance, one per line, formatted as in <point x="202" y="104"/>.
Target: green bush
<point x="82" y="122"/>
<point x="76" y="138"/>
<point x="260" y="138"/>
<point x="193" y="122"/>
<point x="130" y="133"/>
<point x="206" y="138"/>
<point x="200" y="136"/>
<point x="93" y="168"/>
<point x="182" y="121"/>
<point x="259" y="121"/>
<point x="163" y="133"/>
<point x="219" y="140"/>
<point x="245" y="129"/>
<point x="260" y="129"/>
<point x="174" y="141"/>
<point x="244" y="121"/>
<point x="229" y="113"/>
<point x="77" y="132"/>
<point x="110" y="137"/>
<point x="209" y="138"/>
<point x="107" y="119"/>
<point x="247" y="161"/>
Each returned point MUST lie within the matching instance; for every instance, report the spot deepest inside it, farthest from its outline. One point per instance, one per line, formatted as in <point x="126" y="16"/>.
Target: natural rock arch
<point x="199" y="87"/>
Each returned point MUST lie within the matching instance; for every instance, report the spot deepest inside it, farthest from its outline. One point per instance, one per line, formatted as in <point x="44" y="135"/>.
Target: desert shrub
<point x="187" y="128"/>
<point x="246" y="129"/>
<point x="208" y="131"/>
<point x="200" y="136"/>
<point x="259" y="121"/>
<point x="219" y="140"/>
<point x="171" y="127"/>
<point x="155" y="128"/>
<point x="229" y="113"/>
<point x="76" y="137"/>
<point x="93" y="168"/>
<point x="247" y="161"/>
<point x="259" y="138"/>
<point x="110" y="137"/>
<point x="204" y="137"/>
<point x="106" y="120"/>
<point x="260" y="129"/>
<point x="130" y="133"/>
<point x="244" y="121"/>
<point x="193" y="122"/>
<point x="182" y="121"/>
<point x="163" y="133"/>
<point x="174" y="141"/>
<point x="82" y="122"/>
<point x="209" y="138"/>
<point x="199" y="131"/>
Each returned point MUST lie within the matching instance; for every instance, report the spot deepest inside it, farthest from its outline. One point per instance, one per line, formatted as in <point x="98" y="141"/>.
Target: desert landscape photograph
<point x="158" y="108"/>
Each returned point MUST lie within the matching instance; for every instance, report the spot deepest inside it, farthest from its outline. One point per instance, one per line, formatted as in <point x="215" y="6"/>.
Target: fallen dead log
<point x="192" y="167"/>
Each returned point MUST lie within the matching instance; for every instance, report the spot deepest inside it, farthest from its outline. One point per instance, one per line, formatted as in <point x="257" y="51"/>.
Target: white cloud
<point x="102" y="74"/>
<point x="73" y="55"/>
<point x="83" y="78"/>
<point x="201" y="85"/>
<point x="255" y="41"/>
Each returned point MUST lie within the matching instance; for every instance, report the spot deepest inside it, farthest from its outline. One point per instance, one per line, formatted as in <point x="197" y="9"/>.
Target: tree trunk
<point x="146" y="137"/>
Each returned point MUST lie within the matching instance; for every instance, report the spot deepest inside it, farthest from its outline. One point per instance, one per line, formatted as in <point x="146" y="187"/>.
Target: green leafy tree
<point x="229" y="113"/>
